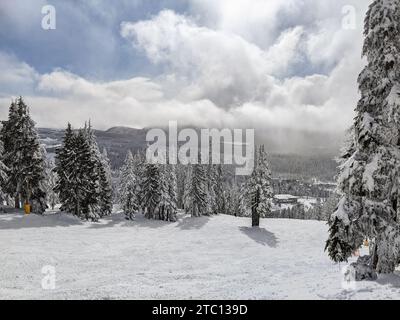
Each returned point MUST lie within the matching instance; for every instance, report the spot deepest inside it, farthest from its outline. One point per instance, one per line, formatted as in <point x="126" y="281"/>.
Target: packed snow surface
<point x="219" y="257"/>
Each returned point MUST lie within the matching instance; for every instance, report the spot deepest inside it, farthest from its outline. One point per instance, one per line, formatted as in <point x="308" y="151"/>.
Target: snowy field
<point x="219" y="257"/>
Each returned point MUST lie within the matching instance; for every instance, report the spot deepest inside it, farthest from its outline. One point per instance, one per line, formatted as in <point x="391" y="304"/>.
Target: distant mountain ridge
<point x="123" y="130"/>
<point x="314" y="161"/>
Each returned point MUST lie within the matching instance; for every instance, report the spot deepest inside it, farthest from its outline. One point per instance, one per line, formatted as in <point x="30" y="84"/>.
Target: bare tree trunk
<point x="16" y="203"/>
<point x="255" y="215"/>
<point x="374" y="257"/>
<point x="255" y="218"/>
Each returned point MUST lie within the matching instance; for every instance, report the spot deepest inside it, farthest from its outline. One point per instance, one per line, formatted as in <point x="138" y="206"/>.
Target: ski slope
<point x="219" y="257"/>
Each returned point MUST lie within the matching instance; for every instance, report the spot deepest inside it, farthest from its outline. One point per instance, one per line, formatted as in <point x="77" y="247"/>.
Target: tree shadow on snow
<point x="110" y="221"/>
<point x="120" y="220"/>
<point x="261" y="236"/>
<point x="189" y="223"/>
<point x="390" y="279"/>
<point x="141" y="221"/>
<point x="19" y="220"/>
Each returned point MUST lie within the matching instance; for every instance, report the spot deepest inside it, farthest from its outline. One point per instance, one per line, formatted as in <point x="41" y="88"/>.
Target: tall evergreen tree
<point x="212" y="189"/>
<point x="86" y="188"/>
<point x="168" y="200"/>
<point x="65" y="168"/>
<point x="3" y="177"/>
<point x="151" y="190"/>
<point x="196" y="197"/>
<point x="84" y="185"/>
<point x="23" y="157"/>
<point x="105" y="192"/>
<point x="369" y="179"/>
<point x="139" y="161"/>
<point x="51" y="183"/>
<point x="219" y="189"/>
<point x="259" y="190"/>
<point x="181" y="184"/>
<point x="105" y="182"/>
<point x="127" y="190"/>
<point x="186" y="187"/>
<point x="173" y="194"/>
<point x="9" y="133"/>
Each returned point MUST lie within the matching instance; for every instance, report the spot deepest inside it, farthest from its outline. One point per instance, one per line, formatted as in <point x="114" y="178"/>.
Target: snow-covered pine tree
<point x="181" y="182"/>
<point x="105" y="184"/>
<point x="139" y="161"/>
<point x="24" y="158"/>
<point x="3" y="177"/>
<point x="212" y="188"/>
<point x="369" y="178"/>
<point x="102" y="170"/>
<point x="259" y="188"/>
<point x="151" y="190"/>
<point x="173" y="194"/>
<point x="84" y="179"/>
<point x="167" y="208"/>
<point x="127" y="187"/>
<point x="243" y="207"/>
<point x="87" y="190"/>
<point x="51" y="183"/>
<point x="39" y="203"/>
<point x="219" y="190"/>
<point x="66" y="171"/>
<point x="105" y="192"/>
<point x="196" y="200"/>
<point x="186" y="187"/>
<point x="8" y="133"/>
<point x="164" y="194"/>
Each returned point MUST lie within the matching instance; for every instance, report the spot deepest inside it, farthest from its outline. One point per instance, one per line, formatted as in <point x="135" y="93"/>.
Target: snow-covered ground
<point x="219" y="257"/>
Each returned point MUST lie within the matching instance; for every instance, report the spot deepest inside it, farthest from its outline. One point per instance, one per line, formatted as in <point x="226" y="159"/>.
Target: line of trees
<point x="80" y="178"/>
<point x="152" y="189"/>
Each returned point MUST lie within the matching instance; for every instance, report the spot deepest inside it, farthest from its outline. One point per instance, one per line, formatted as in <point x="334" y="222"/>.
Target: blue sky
<point x="87" y="40"/>
<point x="277" y="63"/>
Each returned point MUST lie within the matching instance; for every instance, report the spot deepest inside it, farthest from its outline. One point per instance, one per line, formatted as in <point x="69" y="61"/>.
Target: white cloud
<point x="219" y="62"/>
<point x="15" y="74"/>
<point x="67" y="84"/>
<point x="210" y="64"/>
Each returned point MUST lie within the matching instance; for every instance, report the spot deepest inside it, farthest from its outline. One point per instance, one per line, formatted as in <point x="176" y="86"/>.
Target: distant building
<point x="285" y="199"/>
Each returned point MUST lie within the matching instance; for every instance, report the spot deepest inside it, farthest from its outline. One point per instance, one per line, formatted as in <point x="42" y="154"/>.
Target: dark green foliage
<point x="338" y="248"/>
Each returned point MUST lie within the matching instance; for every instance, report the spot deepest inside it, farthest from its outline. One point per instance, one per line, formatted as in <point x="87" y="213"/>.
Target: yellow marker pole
<point x="27" y="208"/>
